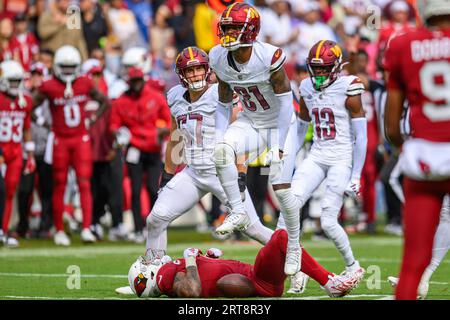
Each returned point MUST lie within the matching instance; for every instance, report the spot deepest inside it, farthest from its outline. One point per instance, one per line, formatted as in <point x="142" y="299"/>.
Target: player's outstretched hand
<point x="353" y="188"/>
<point x="214" y="253"/>
<point x="192" y="252"/>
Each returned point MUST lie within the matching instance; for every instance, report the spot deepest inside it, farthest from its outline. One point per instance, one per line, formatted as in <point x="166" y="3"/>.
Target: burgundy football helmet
<point x="191" y="57"/>
<point x="245" y="20"/>
<point x="324" y="63"/>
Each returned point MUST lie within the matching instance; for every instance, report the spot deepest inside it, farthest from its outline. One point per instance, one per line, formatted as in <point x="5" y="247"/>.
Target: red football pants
<point x="423" y="203"/>
<point x="75" y="152"/>
<point x="268" y="272"/>
<point x="14" y="162"/>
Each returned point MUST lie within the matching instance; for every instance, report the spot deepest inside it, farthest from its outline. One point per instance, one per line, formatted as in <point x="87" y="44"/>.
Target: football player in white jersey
<point x="254" y="70"/>
<point x="338" y="151"/>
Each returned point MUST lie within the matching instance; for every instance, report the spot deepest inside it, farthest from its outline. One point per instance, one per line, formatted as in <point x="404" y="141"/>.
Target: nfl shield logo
<point x="240" y="77"/>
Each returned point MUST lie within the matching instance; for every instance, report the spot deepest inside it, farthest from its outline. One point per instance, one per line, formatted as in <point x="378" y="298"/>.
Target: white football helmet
<point x="12" y="77"/>
<point x="67" y="63"/>
<point x="431" y="8"/>
<point x="142" y="277"/>
<point x="137" y="57"/>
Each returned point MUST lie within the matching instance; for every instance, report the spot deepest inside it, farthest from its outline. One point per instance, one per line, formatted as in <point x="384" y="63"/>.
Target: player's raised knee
<point x="224" y="155"/>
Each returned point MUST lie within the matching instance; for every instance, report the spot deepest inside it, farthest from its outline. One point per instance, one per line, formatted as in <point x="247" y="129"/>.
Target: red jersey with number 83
<point x="68" y="114"/>
<point x="419" y="65"/>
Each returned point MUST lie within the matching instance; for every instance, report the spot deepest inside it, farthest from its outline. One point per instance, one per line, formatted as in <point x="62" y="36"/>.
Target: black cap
<point x="20" y="17"/>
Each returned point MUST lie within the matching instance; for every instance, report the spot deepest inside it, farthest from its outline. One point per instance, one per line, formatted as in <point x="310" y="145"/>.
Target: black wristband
<point x="242" y="181"/>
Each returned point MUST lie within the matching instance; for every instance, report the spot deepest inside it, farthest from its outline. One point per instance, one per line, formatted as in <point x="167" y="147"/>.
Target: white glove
<point x="353" y="188"/>
<point x="123" y="136"/>
<point x="273" y="160"/>
<point x="214" y="253"/>
<point x="191" y="252"/>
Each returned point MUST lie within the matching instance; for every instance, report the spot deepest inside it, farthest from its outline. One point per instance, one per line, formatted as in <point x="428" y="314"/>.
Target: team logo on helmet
<point x="140" y="283"/>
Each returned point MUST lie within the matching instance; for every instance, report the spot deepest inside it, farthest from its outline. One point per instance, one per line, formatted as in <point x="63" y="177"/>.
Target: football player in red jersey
<point x="68" y="93"/>
<point x="15" y="121"/>
<point x="198" y="276"/>
<point x="418" y="65"/>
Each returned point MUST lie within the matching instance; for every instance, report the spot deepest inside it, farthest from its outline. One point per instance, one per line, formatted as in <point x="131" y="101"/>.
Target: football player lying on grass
<point x="208" y="276"/>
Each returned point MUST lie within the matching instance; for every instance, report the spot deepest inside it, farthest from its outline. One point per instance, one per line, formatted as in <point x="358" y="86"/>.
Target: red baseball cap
<point x="134" y="73"/>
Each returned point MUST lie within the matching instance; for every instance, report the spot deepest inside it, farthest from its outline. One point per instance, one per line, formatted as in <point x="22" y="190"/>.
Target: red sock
<point x="313" y="269"/>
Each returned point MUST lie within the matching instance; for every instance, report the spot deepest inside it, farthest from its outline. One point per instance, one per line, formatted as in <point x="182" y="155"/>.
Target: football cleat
<point x="422" y="290"/>
<point x="234" y="221"/>
<point x="61" y="239"/>
<point x="340" y="285"/>
<point x="8" y="241"/>
<point x="298" y="283"/>
<point x="87" y="236"/>
<point x="355" y="271"/>
<point x="118" y="233"/>
<point x="293" y="260"/>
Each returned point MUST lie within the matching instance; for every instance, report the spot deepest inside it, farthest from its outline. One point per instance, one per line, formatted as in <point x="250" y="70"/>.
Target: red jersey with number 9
<point x="68" y="114"/>
<point x="418" y="63"/>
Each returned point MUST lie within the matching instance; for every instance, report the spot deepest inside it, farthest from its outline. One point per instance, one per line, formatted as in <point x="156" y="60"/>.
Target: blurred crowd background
<point x="32" y="30"/>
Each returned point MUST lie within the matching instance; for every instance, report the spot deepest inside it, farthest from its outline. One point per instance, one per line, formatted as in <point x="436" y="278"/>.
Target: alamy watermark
<point x="73" y="281"/>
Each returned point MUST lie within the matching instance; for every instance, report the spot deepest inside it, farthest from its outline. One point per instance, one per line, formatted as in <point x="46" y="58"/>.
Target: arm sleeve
<point x="286" y="102"/>
<point x="359" y="127"/>
<point x="302" y="129"/>
<point x="223" y="116"/>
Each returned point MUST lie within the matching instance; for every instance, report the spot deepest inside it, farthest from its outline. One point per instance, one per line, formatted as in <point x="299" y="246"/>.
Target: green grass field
<point x="40" y="270"/>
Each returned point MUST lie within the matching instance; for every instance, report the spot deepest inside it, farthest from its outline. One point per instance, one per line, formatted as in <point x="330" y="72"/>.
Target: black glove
<point x="165" y="178"/>
<point x="242" y="182"/>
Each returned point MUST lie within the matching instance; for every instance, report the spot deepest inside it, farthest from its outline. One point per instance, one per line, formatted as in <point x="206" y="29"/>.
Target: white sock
<point x="335" y="232"/>
<point x="290" y="209"/>
<point x="228" y="176"/>
<point x="259" y="232"/>
<point x="441" y="243"/>
<point x="156" y="244"/>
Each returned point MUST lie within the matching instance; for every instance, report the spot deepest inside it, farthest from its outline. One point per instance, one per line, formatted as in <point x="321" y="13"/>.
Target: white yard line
<point x="61" y="275"/>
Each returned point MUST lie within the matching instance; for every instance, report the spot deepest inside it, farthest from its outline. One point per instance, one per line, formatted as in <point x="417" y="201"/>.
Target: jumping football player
<point x="254" y="70"/>
<point x="418" y="66"/>
<point x="68" y="92"/>
<point x="199" y="276"/>
<point x="338" y="152"/>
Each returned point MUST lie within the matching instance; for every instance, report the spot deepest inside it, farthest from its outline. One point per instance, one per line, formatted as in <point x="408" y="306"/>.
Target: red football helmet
<point x="245" y="20"/>
<point x="324" y="63"/>
<point x="191" y="57"/>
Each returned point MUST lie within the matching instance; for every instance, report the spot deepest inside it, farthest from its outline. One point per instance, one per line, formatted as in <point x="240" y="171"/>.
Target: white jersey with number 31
<point x="251" y="81"/>
<point x="333" y="141"/>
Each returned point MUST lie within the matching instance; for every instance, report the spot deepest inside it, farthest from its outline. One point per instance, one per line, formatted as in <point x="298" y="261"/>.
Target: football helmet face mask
<point x="142" y="277"/>
<point x="324" y="63"/>
<point x="186" y="62"/>
<point x="137" y="57"/>
<point x="238" y="26"/>
<point x="432" y="8"/>
<point x="12" y="78"/>
<point x="67" y="64"/>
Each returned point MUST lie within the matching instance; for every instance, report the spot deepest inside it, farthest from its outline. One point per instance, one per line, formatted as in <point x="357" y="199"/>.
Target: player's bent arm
<point x="102" y="100"/>
<point x="224" y="109"/>
<point x="359" y="129"/>
<point x="187" y="285"/>
<point x="170" y="164"/>
<point x="303" y="122"/>
<point x="282" y="89"/>
<point x="392" y="115"/>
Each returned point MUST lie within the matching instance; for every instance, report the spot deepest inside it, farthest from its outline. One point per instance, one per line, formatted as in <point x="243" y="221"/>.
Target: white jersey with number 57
<point x="196" y="120"/>
<point x="333" y="141"/>
<point x="251" y="81"/>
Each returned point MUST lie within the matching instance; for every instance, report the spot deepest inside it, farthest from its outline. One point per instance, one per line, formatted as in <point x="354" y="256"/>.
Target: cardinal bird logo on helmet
<point x="324" y="63"/>
<point x="140" y="283"/>
<point x="238" y="26"/>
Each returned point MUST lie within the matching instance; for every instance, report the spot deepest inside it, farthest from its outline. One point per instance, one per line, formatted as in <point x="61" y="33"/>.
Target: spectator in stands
<point x="6" y="33"/>
<point x="181" y="23"/>
<point x="54" y="33"/>
<point x="11" y="8"/>
<point x="46" y="58"/>
<point x="278" y="27"/>
<point x="312" y="30"/>
<point x="164" y="66"/>
<point x="161" y="34"/>
<point x="95" y="26"/>
<point x="124" y="25"/>
<point x="143" y="13"/>
<point x="24" y="44"/>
